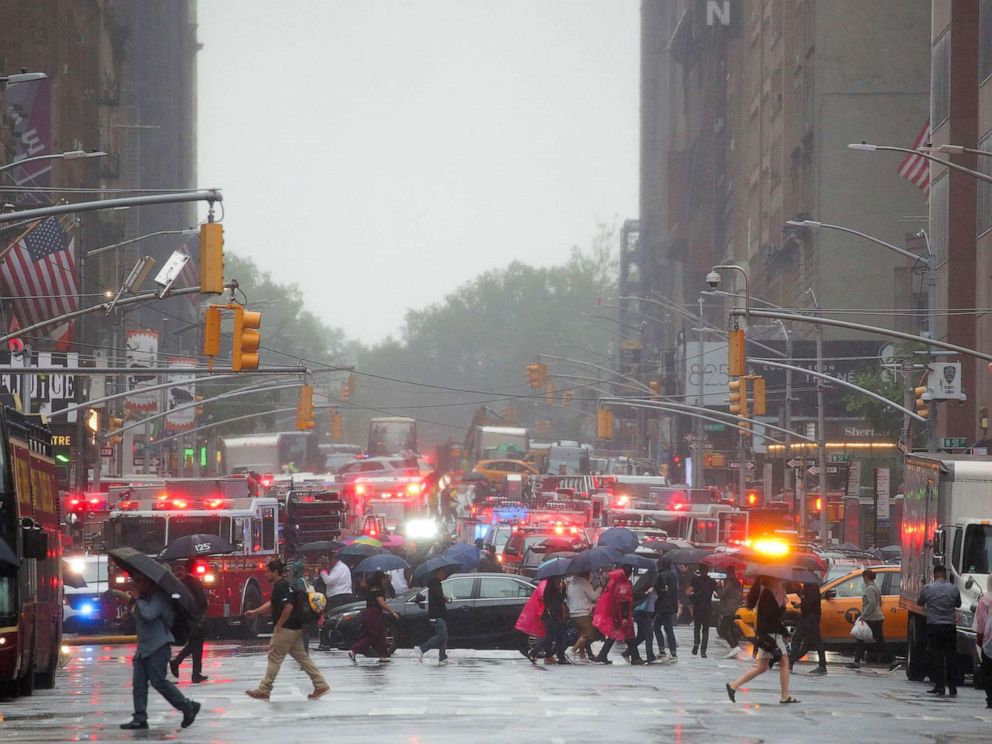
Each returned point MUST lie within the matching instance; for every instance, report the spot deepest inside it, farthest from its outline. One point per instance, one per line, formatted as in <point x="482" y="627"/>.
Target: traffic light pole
<point x="207" y="195"/>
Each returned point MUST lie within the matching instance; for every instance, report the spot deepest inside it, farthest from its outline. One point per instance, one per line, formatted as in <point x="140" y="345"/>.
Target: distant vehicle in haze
<point x="392" y="435"/>
<point x="282" y="452"/>
<point x="497" y="470"/>
<point x="568" y="458"/>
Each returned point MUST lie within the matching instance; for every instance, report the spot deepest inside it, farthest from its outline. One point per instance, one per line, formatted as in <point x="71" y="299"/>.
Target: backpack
<point x="315" y="602"/>
<point x="182" y="624"/>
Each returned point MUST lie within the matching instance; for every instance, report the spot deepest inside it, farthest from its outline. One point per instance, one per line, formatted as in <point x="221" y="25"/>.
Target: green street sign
<point x="954" y="442"/>
<point x="713" y="427"/>
<point x="840" y="457"/>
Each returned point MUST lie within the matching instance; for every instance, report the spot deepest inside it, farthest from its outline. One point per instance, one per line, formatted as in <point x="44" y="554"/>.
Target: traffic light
<point x="348" y="388"/>
<point x="566" y="398"/>
<point x="758" y="396"/>
<point x="211" y="331"/>
<point x="533" y="375"/>
<point x="736" y="357"/>
<point x="604" y="423"/>
<point x="656" y="388"/>
<point x="549" y="393"/>
<point x="922" y="406"/>
<point x="304" y="409"/>
<point x="337" y="427"/>
<point x="752" y="498"/>
<point x="244" y="354"/>
<point x="92" y="420"/>
<point x="738" y="396"/>
<point x="212" y="258"/>
<point x="113" y="424"/>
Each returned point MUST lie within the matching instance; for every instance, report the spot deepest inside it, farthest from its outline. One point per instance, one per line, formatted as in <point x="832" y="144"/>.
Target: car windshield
<point x="95" y="571"/>
<point x="977" y="548"/>
<point x="145" y="534"/>
<point x="182" y="526"/>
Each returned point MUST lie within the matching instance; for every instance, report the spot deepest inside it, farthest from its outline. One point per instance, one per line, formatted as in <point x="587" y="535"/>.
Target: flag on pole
<point x="38" y="276"/>
<point x="915" y="167"/>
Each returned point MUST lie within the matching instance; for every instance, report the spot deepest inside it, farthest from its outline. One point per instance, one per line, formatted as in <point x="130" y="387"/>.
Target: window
<point x="977" y="549"/>
<point x="984" y="40"/>
<point x="502" y="588"/>
<point x="460" y="588"/>
<point x="956" y="550"/>
<point x="853" y="587"/>
<point x="940" y="81"/>
<point x="939" y="218"/>
<point x="983" y="219"/>
<point x="895" y="583"/>
<point x="268" y="529"/>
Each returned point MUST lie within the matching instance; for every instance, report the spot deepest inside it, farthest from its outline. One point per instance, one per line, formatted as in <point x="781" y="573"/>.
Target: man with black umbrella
<point x="437" y="614"/>
<point x="153" y="617"/>
<point x="194" y="646"/>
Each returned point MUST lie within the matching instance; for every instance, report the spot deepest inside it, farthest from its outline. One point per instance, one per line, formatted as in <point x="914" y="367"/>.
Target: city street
<point x="495" y="696"/>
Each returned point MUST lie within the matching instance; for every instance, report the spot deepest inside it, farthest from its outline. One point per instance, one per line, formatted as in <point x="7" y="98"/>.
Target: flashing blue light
<point x="86" y="609"/>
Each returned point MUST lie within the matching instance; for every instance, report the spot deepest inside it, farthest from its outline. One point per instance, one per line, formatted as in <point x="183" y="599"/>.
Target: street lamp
<point x="713" y="279"/>
<point x="867" y="147"/>
<point x="69" y="155"/>
<point x="955" y="150"/>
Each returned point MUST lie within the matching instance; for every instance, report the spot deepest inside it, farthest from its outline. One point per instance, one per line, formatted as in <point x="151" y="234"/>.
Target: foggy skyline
<point x="382" y="154"/>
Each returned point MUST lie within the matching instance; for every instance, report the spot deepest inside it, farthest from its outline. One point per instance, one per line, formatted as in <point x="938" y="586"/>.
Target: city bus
<point x="391" y="435"/>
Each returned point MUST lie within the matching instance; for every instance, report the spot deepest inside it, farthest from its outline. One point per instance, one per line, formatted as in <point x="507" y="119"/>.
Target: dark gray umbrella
<point x="73" y="580"/>
<point x="320" y="546"/>
<point x="134" y="561"/>
<point x="687" y="555"/>
<point x="194" y="546"/>
<point x="637" y="561"/>
<point x="382" y="562"/>
<point x="594" y="559"/>
<point x="621" y="538"/>
<point x="554" y="567"/>
<point x="423" y="572"/>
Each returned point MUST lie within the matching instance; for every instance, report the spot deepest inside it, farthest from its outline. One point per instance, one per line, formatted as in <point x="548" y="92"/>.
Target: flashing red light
<point x="559" y="529"/>
<point x="95" y="502"/>
<point x="200" y="568"/>
<point x="73" y="502"/>
<point x="266" y="480"/>
<point x="574" y="530"/>
<point x="678" y="506"/>
<point x="360" y="489"/>
<point x="180" y="503"/>
<point x="413" y="489"/>
<point x="214" y="503"/>
<point x="752" y="498"/>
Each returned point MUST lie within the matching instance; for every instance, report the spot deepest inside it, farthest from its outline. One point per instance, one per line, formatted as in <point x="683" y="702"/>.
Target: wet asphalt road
<point x="494" y="696"/>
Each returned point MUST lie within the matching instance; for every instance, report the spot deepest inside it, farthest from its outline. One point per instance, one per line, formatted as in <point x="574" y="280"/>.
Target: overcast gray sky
<point x="381" y="153"/>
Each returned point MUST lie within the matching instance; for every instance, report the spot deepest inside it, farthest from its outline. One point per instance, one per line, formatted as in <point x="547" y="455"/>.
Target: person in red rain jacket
<point x="614" y="616"/>
<point x="529" y="623"/>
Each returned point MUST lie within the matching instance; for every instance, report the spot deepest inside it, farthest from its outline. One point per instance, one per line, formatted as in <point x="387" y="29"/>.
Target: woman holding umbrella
<point x="614" y="615"/>
<point x="553" y="617"/>
<point x="768" y="595"/>
<point x="373" y="633"/>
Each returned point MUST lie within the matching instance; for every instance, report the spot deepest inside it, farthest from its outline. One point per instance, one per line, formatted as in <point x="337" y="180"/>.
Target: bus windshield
<point x="145" y="534"/>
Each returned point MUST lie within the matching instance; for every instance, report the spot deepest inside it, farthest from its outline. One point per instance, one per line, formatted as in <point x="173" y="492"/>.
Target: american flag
<point x="916" y="168"/>
<point x="38" y="275"/>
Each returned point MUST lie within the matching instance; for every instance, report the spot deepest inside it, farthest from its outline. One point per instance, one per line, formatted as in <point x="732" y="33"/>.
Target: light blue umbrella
<point x="554" y="567"/>
<point x="383" y="562"/>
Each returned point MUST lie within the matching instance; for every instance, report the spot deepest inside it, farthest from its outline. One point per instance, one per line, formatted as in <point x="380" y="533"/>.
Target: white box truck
<point x="947" y="519"/>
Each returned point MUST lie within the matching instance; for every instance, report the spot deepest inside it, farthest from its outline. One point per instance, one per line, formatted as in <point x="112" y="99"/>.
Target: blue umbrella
<point x="554" y="567"/>
<point x="594" y="559"/>
<point x="620" y="538"/>
<point x="637" y="561"/>
<point x="467" y="555"/>
<point x="382" y="562"/>
<point x="423" y="572"/>
<point x="358" y="550"/>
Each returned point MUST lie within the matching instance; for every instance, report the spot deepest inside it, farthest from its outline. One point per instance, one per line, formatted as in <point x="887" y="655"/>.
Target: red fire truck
<point x="30" y="557"/>
<point x="149" y="519"/>
<point x="396" y="498"/>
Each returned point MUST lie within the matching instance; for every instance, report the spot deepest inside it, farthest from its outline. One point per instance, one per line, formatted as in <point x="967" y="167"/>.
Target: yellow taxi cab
<point x="840" y="606"/>
<point x="497" y="470"/>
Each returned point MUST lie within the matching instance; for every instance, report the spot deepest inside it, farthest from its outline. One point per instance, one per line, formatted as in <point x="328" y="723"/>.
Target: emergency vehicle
<point x="397" y="499"/>
<point x="703" y="525"/>
<point x="31" y="573"/>
<point x="312" y="515"/>
<point x="149" y="519"/>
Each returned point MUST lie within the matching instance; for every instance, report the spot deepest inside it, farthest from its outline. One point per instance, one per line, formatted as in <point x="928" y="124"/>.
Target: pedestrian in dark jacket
<point x="666" y="607"/>
<point x="194" y="645"/>
<point x="437" y="614"/>
<point x="767" y="596"/>
<point x="373" y="632"/>
<point x="808" y="633"/>
<point x="941" y="599"/>
<point x="700" y="594"/>
<point x="731" y="598"/>
<point x="554" y="643"/>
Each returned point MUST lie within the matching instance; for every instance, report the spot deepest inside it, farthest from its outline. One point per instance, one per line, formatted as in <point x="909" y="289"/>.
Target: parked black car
<point x="483" y="614"/>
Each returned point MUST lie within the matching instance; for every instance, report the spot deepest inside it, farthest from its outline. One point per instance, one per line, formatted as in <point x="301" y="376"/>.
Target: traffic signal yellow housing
<point x="211" y="331"/>
<point x="113" y="424"/>
<point x="736" y="357"/>
<point x="758" y="396"/>
<point x="244" y="355"/>
<point x="212" y="258"/>
<point x="304" y="409"/>
<point x="604" y="423"/>
<point x="738" y="396"/>
<point x="922" y="406"/>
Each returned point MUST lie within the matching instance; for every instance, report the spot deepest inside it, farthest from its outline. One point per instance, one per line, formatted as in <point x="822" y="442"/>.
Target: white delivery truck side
<point x="947" y="519"/>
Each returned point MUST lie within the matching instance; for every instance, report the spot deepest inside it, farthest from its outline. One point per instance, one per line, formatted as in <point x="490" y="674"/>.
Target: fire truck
<point x="704" y="525"/>
<point x="148" y="519"/>
<point x="312" y="515"/>
<point x="30" y="557"/>
<point x="397" y="499"/>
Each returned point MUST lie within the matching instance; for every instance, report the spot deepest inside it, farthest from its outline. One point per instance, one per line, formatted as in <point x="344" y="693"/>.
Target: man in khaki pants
<point x="287" y="635"/>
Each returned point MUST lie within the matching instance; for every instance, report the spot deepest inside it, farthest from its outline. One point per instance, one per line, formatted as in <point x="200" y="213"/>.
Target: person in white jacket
<point x="581" y="599"/>
<point x="983" y="630"/>
<point x="337" y="587"/>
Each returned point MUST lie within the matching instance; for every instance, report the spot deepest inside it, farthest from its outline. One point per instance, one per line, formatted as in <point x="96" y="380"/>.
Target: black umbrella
<point x="359" y="550"/>
<point x="637" y="561"/>
<point x="425" y="570"/>
<point x="382" y="562"/>
<point x="783" y="572"/>
<point x="594" y="559"/>
<point x="687" y="555"/>
<point x="320" y="546"/>
<point x="554" y="567"/>
<point x="134" y="561"/>
<point x="194" y="546"/>
<point x="660" y="546"/>
<point x="621" y="538"/>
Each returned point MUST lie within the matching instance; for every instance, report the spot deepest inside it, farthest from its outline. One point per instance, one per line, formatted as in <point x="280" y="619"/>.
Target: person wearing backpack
<point x="198" y="631"/>
<point x="153" y="617"/>
<point x="287" y="635"/>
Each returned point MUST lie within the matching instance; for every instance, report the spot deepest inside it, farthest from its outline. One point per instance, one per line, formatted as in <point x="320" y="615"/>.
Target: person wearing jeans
<point x="871" y="613"/>
<point x="153" y="617"/>
<point x="437" y="612"/>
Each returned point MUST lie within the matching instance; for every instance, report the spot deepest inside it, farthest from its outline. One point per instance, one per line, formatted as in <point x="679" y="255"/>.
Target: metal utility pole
<point x="821" y="434"/>
<point x="787" y="419"/>
<point x="697" y="423"/>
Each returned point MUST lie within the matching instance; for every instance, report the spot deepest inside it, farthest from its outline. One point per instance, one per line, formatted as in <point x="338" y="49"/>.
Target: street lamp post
<point x="69" y="155"/>
<point x="867" y="147"/>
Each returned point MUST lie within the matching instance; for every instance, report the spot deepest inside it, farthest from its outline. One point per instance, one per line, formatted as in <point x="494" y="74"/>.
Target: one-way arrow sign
<point x="797" y="462"/>
<point x="815" y="470"/>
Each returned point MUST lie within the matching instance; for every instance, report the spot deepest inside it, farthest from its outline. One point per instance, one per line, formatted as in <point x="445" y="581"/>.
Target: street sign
<point x="713" y="427"/>
<point x="797" y="462"/>
<point x="882" y="493"/>
<point x="736" y="465"/>
<point x="839" y="457"/>
<point x="831" y="470"/>
<point x="106" y="452"/>
<point x="953" y="443"/>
